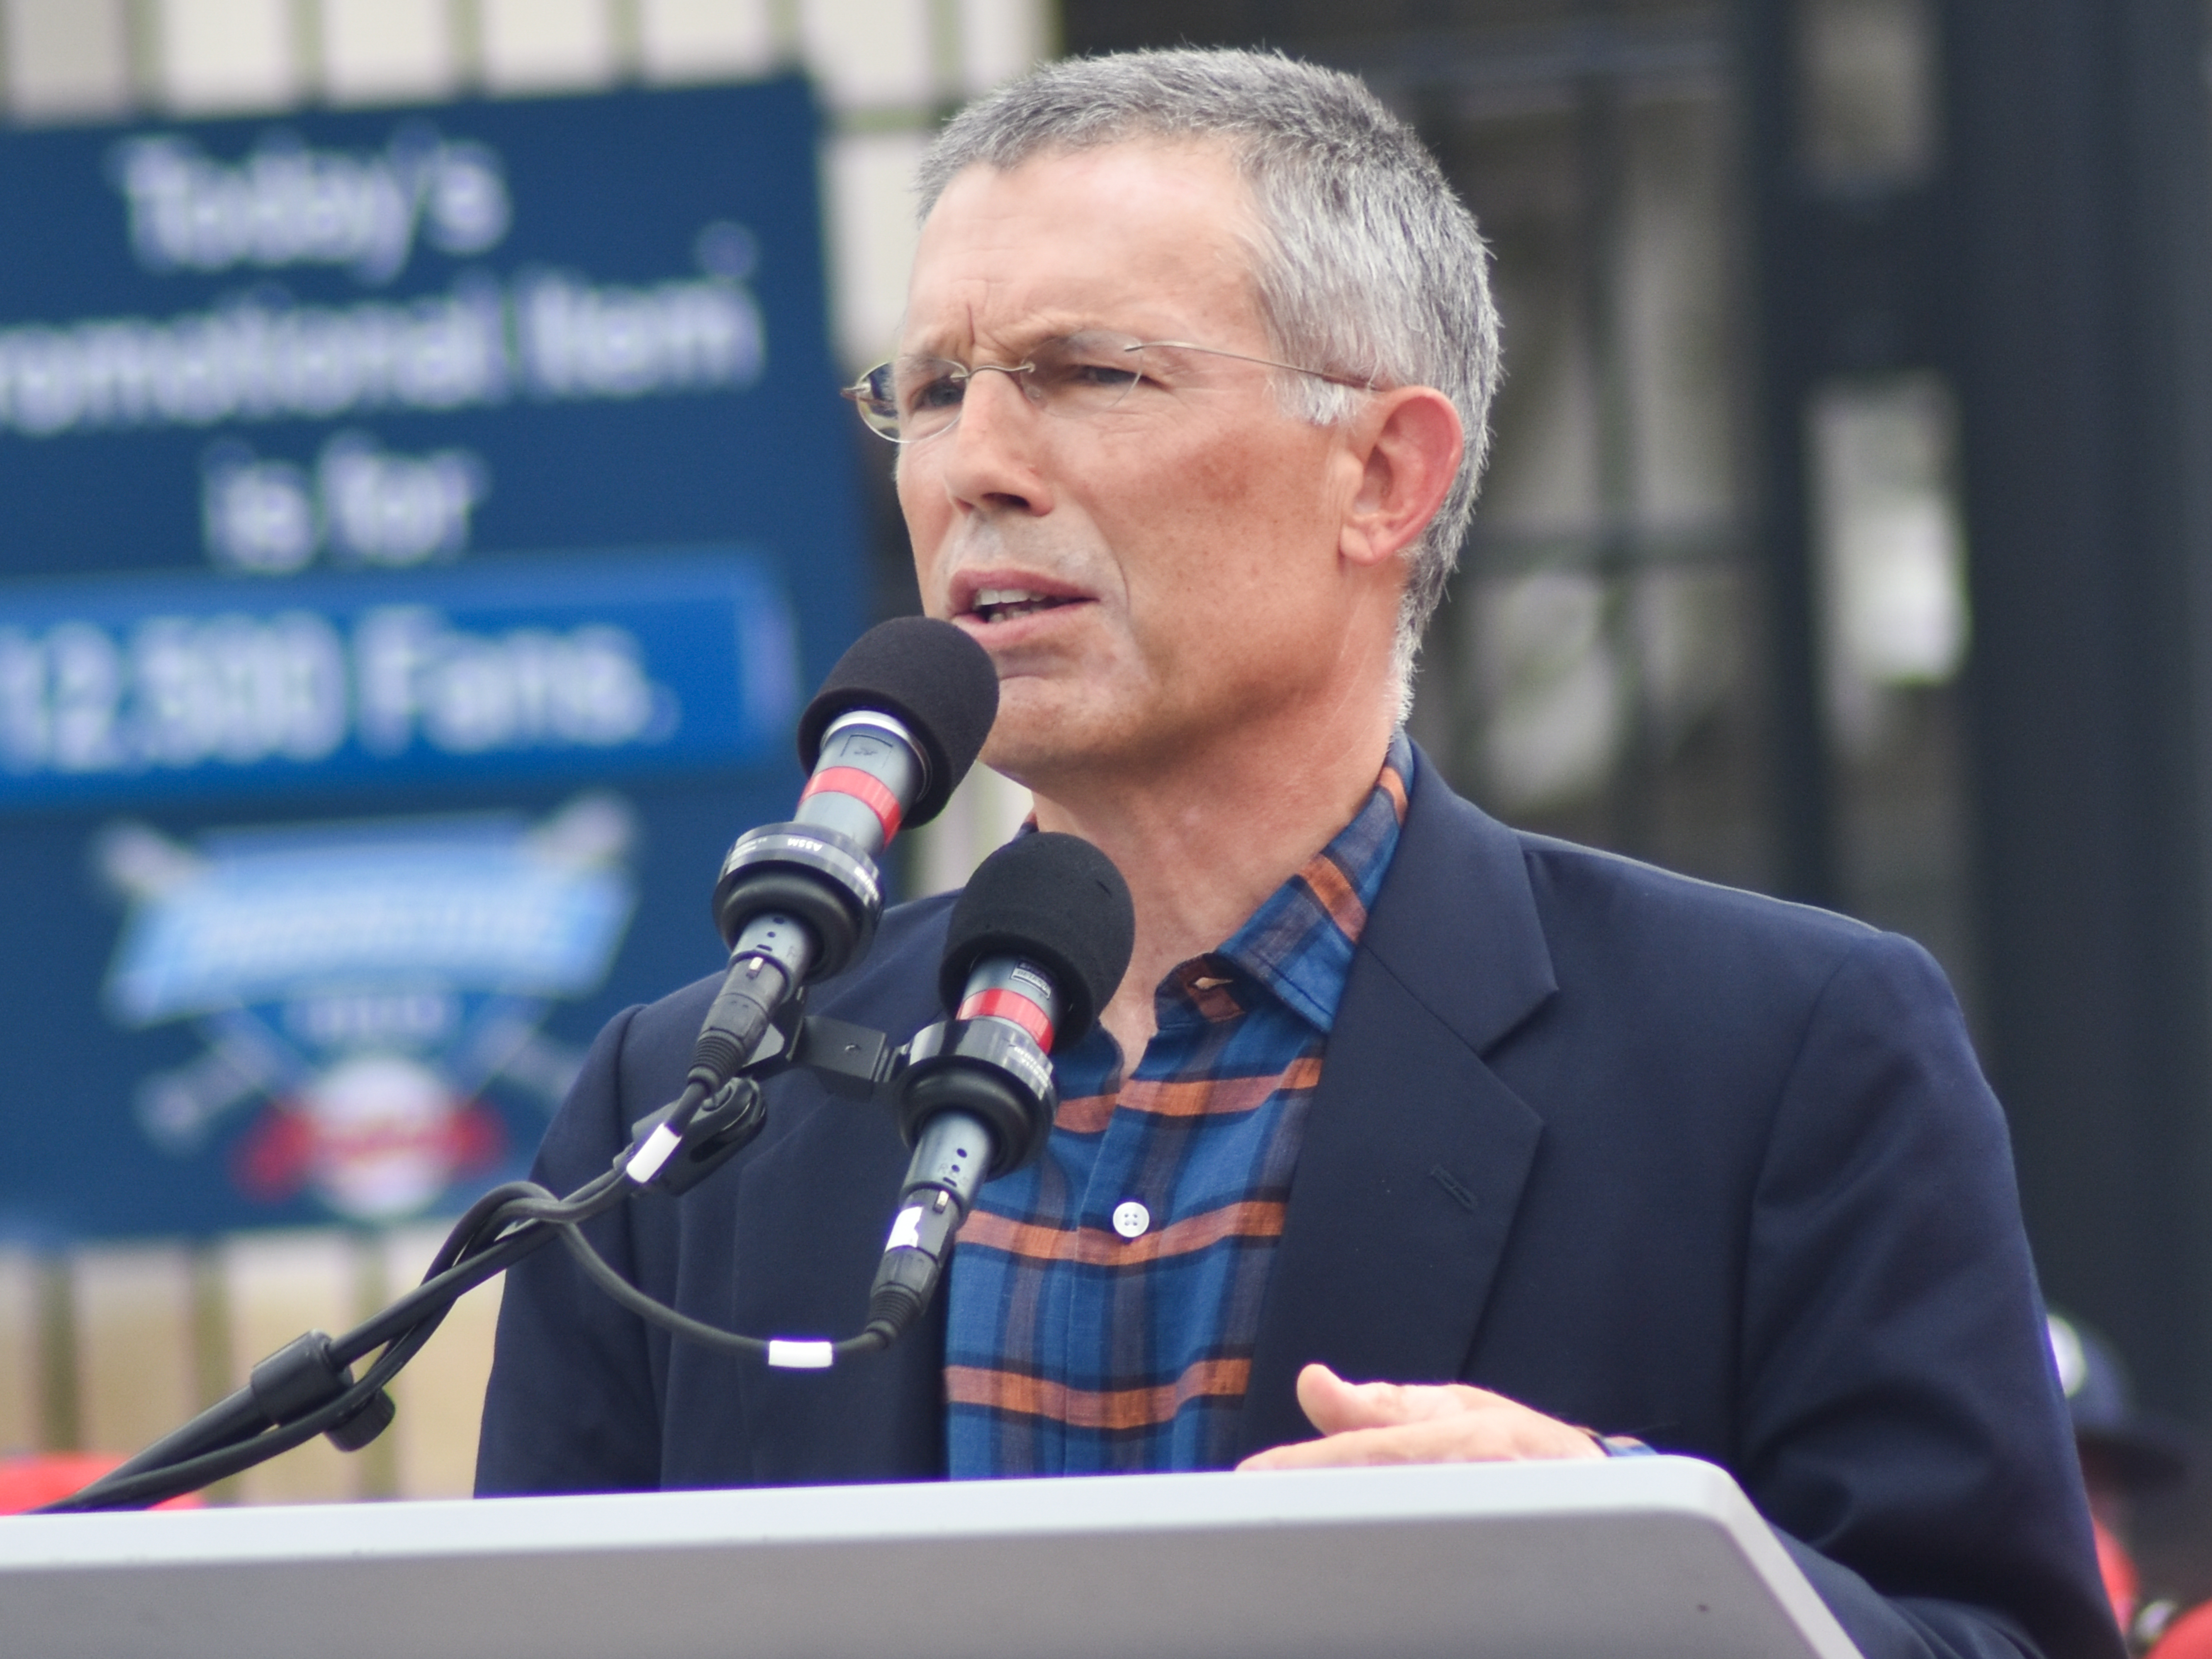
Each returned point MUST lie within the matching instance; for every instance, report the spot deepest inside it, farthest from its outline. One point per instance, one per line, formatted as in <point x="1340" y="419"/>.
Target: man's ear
<point x="1407" y="443"/>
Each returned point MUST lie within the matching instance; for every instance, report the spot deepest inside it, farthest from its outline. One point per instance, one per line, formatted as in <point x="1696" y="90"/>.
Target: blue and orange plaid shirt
<point x="1105" y="1300"/>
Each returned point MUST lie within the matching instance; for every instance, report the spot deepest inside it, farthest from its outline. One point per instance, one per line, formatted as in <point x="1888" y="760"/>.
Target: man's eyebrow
<point x="1048" y="328"/>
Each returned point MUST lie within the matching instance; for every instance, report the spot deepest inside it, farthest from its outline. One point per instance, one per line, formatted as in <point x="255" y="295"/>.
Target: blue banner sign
<point x="476" y="905"/>
<point x="417" y="531"/>
<point x="132" y="691"/>
<point x="386" y="338"/>
<point x="358" y="987"/>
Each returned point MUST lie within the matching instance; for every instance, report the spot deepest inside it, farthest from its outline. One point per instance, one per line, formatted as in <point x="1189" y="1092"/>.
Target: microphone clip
<point x="853" y="1061"/>
<point x="724" y="1126"/>
<point x="990" y="1069"/>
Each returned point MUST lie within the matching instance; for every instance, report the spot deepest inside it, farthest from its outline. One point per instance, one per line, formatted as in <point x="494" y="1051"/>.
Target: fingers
<point x="1373" y="1422"/>
<point x="1334" y="1406"/>
<point x="1438" y="1440"/>
<point x="1465" y="1437"/>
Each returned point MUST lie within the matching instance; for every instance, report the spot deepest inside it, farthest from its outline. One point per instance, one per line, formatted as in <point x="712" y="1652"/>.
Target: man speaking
<point x="1406" y="1137"/>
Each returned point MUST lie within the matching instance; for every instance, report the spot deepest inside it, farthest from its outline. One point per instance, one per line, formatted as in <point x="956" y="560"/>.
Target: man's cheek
<point x="929" y="561"/>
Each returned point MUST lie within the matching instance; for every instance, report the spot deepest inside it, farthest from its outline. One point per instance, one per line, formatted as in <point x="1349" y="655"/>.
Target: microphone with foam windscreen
<point x="1036" y="946"/>
<point x="888" y="738"/>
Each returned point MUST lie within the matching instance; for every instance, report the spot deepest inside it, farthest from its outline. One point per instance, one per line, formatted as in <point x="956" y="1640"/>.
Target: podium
<point x="1659" y="1558"/>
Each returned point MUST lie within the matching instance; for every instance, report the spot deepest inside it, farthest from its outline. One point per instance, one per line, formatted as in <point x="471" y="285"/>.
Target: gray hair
<point x="1371" y="268"/>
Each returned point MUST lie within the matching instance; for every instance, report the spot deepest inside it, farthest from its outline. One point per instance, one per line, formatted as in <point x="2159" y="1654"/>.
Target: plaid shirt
<point x="1104" y="1300"/>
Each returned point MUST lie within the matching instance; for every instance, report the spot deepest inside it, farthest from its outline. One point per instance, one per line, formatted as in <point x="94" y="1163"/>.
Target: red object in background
<point x="2118" y="1570"/>
<point x="277" y="1156"/>
<point x="26" y="1483"/>
<point x="2189" y="1636"/>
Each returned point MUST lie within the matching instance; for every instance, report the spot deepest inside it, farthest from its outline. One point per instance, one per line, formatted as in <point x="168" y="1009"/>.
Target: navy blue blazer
<point x="1651" y="1156"/>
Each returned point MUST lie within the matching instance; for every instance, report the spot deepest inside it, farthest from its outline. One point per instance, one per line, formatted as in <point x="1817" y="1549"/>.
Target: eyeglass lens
<point x="1088" y="373"/>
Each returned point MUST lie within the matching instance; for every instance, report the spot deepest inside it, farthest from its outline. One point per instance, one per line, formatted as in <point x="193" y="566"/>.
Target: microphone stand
<point x="307" y="1387"/>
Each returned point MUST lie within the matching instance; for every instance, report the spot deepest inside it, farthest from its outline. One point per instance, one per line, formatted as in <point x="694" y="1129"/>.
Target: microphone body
<point x="798" y="902"/>
<point x="1036" y="947"/>
<point x="978" y="1102"/>
<point x="896" y="726"/>
<point x="869" y="771"/>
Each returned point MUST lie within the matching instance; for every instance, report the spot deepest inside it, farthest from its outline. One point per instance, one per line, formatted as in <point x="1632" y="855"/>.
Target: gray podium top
<point x="1658" y="1557"/>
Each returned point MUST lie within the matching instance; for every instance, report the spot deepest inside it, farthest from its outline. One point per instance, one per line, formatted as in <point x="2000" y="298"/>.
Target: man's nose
<point x="992" y="457"/>
<point x="1018" y="375"/>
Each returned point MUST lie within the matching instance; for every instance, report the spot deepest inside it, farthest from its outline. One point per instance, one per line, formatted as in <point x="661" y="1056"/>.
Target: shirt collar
<point x="1299" y="944"/>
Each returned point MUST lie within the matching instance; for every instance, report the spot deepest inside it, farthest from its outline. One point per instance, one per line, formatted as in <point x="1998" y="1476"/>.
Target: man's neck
<point x="1205" y="843"/>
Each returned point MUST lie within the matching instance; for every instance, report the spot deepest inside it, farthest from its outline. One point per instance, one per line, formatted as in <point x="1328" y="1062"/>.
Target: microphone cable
<point x="478" y="1248"/>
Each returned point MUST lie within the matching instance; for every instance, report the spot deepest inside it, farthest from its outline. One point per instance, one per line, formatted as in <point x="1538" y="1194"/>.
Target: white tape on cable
<point x="801" y="1356"/>
<point x="645" y="1162"/>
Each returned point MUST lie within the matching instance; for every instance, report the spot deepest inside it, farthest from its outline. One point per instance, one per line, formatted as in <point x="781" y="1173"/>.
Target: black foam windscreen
<point x="1057" y="901"/>
<point x="936" y="681"/>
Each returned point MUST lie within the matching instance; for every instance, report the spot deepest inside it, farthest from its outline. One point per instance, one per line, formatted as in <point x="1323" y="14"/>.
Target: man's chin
<point x="1025" y="758"/>
<point x="1038" y="739"/>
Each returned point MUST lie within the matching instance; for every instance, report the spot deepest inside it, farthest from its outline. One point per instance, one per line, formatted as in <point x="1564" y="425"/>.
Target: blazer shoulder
<point x="1580" y="890"/>
<point x="1488" y="925"/>
<point x="1686" y="971"/>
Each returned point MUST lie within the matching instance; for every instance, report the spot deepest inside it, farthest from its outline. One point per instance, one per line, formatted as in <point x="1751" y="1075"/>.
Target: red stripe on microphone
<point x="1009" y="1004"/>
<point x="863" y="788"/>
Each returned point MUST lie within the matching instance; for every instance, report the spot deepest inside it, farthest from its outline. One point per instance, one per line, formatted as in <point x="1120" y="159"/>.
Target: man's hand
<point x="1423" y="1423"/>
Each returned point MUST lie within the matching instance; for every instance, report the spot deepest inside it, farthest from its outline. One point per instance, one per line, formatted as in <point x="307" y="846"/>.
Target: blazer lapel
<point x="1415" y="1152"/>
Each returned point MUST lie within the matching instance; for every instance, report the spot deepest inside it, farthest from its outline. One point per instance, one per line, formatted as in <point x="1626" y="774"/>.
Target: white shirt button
<point x="1131" y="1219"/>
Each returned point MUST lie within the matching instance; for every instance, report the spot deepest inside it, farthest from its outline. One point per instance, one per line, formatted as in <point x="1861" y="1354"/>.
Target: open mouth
<point x="995" y="604"/>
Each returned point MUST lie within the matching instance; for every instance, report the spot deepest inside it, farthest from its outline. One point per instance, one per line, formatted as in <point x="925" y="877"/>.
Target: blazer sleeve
<point x="572" y="1406"/>
<point x="1901" y="1419"/>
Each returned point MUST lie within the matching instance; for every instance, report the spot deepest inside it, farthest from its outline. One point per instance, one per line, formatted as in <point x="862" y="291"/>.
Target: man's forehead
<point x="1136" y="234"/>
<point x="1206" y="160"/>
